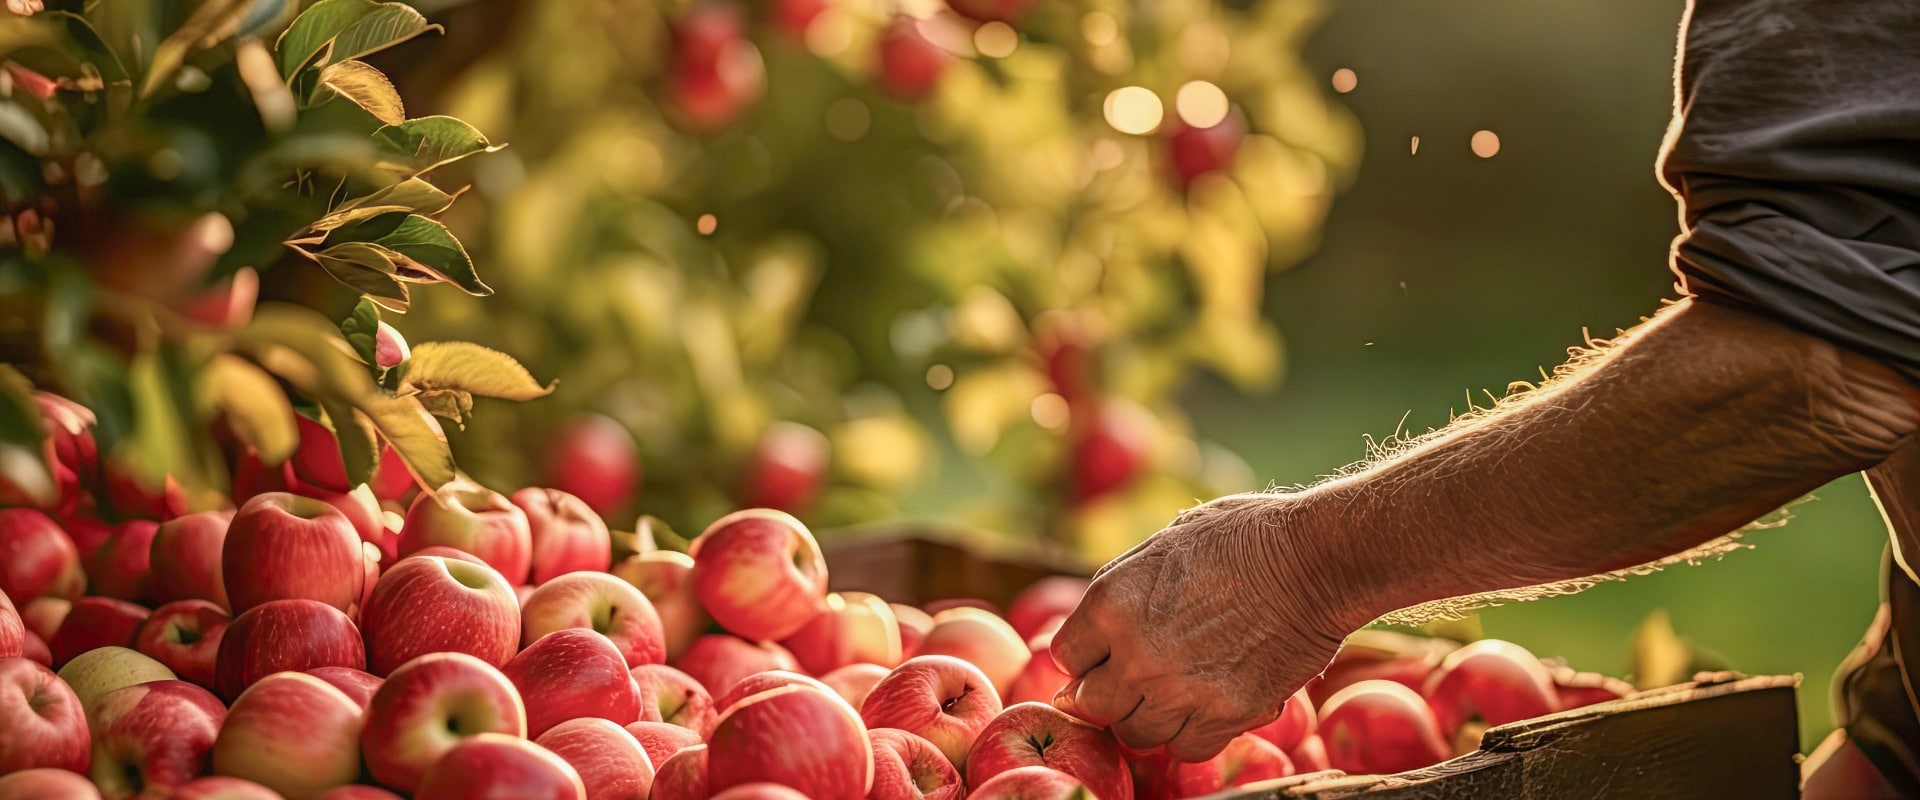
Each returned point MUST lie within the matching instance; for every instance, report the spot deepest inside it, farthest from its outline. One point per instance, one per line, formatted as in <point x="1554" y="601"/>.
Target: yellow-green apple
<point x="981" y="638"/>
<point x="43" y="615"/>
<point x="35" y="649"/>
<point x="1247" y="759"/>
<point x="671" y="696"/>
<point x="1380" y="726"/>
<point x="152" y="737"/>
<point x="354" y="683"/>
<point x="316" y="461"/>
<point x="909" y="62"/>
<point x="37" y="557"/>
<point x="1297" y="720"/>
<point x="567" y="535"/>
<point x="572" y="673"/>
<point x="1043" y="601"/>
<point x="683" y="776"/>
<point x="856" y="628"/>
<point x="292" y="733"/>
<point x="795" y="736"/>
<point x="854" y="682"/>
<point x="1582" y="689"/>
<point x="661" y="739"/>
<point x="719" y="661"/>
<point x="222" y="787"/>
<point x="594" y="458"/>
<point x="46" y="783"/>
<point x="666" y="578"/>
<point x="610" y="762"/>
<point x="357" y="791"/>
<point x="1310" y="755"/>
<point x="121" y="567"/>
<point x="282" y="546"/>
<point x="914" y="624"/>
<point x="44" y="722"/>
<point x="1041" y="678"/>
<point x="495" y="766"/>
<point x="938" y="698"/>
<point x="427" y="706"/>
<point x="429" y="604"/>
<point x="470" y="517"/>
<point x="93" y="623"/>
<point x="762" y="681"/>
<point x="786" y="469"/>
<point x="391" y="480"/>
<point x="1033" y="783"/>
<point x="1036" y="734"/>
<point x="283" y="635"/>
<point x="13" y="631"/>
<point x="601" y="603"/>
<point x="104" y="669"/>
<point x="760" y="791"/>
<point x="907" y="767"/>
<point x="759" y="573"/>
<point x="186" y="557"/>
<point x="185" y="635"/>
<point x="1490" y="680"/>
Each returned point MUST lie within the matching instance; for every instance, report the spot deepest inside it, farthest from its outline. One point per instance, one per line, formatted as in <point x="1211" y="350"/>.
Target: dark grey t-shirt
<point x="1795" y="154"/>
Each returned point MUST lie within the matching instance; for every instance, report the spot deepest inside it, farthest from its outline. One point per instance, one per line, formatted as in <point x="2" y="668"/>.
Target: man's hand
<point x="1201" y="632"/>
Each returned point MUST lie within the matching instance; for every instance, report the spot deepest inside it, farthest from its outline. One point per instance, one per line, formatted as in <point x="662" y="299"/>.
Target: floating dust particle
<point x="1344" y="80"/>
<point x="1134" y="109"/>
<point x="1486" y="144"/>
<point x="1416" y="146"/>
<point x="939" y="377"/>
<point x="707" y="224"/>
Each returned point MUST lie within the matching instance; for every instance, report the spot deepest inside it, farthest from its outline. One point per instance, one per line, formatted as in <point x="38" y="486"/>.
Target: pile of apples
<point x="381" y="641"/>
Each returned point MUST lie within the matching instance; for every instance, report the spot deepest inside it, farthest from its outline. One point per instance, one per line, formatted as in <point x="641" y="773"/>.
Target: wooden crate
<point x="1722" y="736"/>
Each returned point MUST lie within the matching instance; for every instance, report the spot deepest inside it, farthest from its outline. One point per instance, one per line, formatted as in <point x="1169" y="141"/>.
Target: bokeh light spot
<point x="1100" y="28"/>
<point x="1201" y="104"/>
<point x="1108" y="153"/>
<point x="939" y="377"/>
<point x="1050" y="411"/>
<point x="1344" y="80"/>
<point x="831" y="33"/>
<point x="996" y="40"/>
<point x="707" y="224"/>
<point x="1134" y="109"/>
<point x="1486" y="144"/>
<point x="848" y="119"/>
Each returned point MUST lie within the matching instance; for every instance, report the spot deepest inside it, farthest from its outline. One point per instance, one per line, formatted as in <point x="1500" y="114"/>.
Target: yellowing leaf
<point x="256" y="407"/>
<point x="415" y="435"/>
<point x="468" y="367"/>
<point x="367" y="88"/>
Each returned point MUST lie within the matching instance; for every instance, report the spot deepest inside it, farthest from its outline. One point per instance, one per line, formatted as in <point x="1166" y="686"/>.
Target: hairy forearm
<point x="1703" y="420"/>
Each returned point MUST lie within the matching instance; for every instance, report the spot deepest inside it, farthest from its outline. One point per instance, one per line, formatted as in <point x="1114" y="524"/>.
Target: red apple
<point x="253" y="477"/>
<point x="718" y="661"/>
<point x="786" y="469"/>
<point x="1297" y="720"/>
<point x="610" y="761"/>
<point x="982" y="639"/>
<point x="683" y="776"/>
<point x="391" y="480"/>
<point x="285" y="635"/>
<point x="152" y="737"/>
<point x="292" y="733"/>
<point x="282" y="546"/>
<point x="795" y="17"/>
<point x="1582" y="689"/>
<point x="1112" y="451"/>
<point x="443" y="551"/>
<point x="140" y="497"/>
<point x="92" y="674"/>
<point x="361" y="509"/>
<point x="354" y="683"/>
<point x="1247" y="759"/>
<point x="856" y="628"/>
<point x="662" y="739"/>
<point x="760" y="791"/>
<point x="495" y="766"/>
<point x="671" y="696"/>
<point x="357" y="792"/>
<point x="759" y="573"/>
<point x="1043" y="601"/>
<point x="43" y="615"/>
<point x="794" y="736"/>
<point x="940" y="698"/>
<point x="35" y="649"/>
<point x="46" y="783"/>
<point x="666" y="578"/>
<point x="1007" y="11"/>
<point x="1193" y="152"/>
<point x="1490" y="680"/>
<point x="44" y="722"/>
<point x="594" y="458"/>
<point x="715" y="73"/>
<point x="13" y="630"/>
<point x="567" y="535"/>
<point x="37" y="557"/>
<point x="601" y="603"/>
<point x="763" y="681"/>
<point x="854" y="682"/>
<point x="185" y="557"/>
<point x="1039" y="681"/>
<point x="470" y="517"/>
<point x="185" y="635"/>
<point x="1310" y="755"/>
<point x="222" y="787"/>
<point x="1379" y="726"/>
<point x="121" y="568"/>
<point x="1033" y="783"/>
<point x="907" y="767"/>
<point x="316" y="462"/>
<point x="573" y="673"/>
<point x="96" y="622"/>
<point x="914" y="624"/>
<point x="87" y="531"/>
<point x="1036" y="734"/>
<point x="429" y="604"/>
<point x="1406" y="660"/>
<point x="909" y="62"/>
<point x="429" y="705"/>
<point x="935" y="607"/>
<point x="227" y="304"/>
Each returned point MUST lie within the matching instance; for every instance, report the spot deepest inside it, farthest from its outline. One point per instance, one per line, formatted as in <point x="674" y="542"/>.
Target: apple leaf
<point x="332" y="31"/>
<point x="304" y="348"/>
<point x="430" y="142"/>
<point x="362" y="329"/>
<point x="1660" y="657"/>
<point x="467" y="367"/>
<point x="424" y="251"/>
<point x="211" y="22"/>
<point x="367" y="88"/>
<point x="85" y="44"/>
<point x="450" y="404"/>
<point x="415" y="436"/>
<point x="357" y="445"/>
<point x="254" y="404"/>
<point x="413" y="195"/>
<point x="368" y="269"/>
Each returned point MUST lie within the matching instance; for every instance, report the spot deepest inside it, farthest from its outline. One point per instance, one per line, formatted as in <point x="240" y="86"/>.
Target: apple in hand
<point x="661" y="739"/>
<point x="610" y="762"/>
<point x="470" y="517"/>
<point x="185" y="557"/>
<point x="795" y="736"/>
<point x="354" y="683"/>
<point x="683" y="776"/>
<point x="594" y="458"/>
<point x="152" y="737"/>
<point x="1490" y="680"/>
<point x="1033" y="783"/>
<point x="429" y="705"/>
<point x="185" y="635"/>
<point x="429" y="604"/>
<point x="1247" y="759"/>
<point x="572" y="673"/>
<point x="671" y="696"/>
<point x="854" y="682"/>
<point x="292" y="733"/>
<point x="282" y="546"/>
<point x="1044" y="601"/>
<point x="601" y="603"/>
<point x="495" y="766"/>
<point x="1380" y="726"/>
<point x="567" y="535"/>
<point x="759" y="573"/>
<point x="44" y="722"/>
<point x="1035" y="734"/>
<point x="121" y="568"/>
<point x="856" y="628"/>
<point x="980" y="638"/>
<point x="37" y="558"/>
<point x="285" y="635"/>
<point x="719" y="661"/>
<point x="939" y="698"/>
<point x="666" y="578"/>
<point x="46" y="783"/>
<point x="762" y="681"/>
<point x="93" y="623"/>
<point x="907" y="767"/>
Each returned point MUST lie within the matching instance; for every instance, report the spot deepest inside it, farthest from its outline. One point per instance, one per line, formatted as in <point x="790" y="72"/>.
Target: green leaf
<point x="385" y="26"/>
<point x="19" y="414"/>
<point x="362" y="329"/>
<point x="424" y="251"/>
<point x="20" y="174"/>
<point x="86" y="45"/>
<point x="410" y="195"/>
<point x="254" y="404"/>
<point x="468" y="367"/>
<point x="365" y="87"/>
<point x="357" y="446"/>
<point x="415" y="436"/>
<point x="430" y="142"/>
<point x="331" y="31"/>
<point x="211" y="22"/>
<point x="369" y="270"/>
